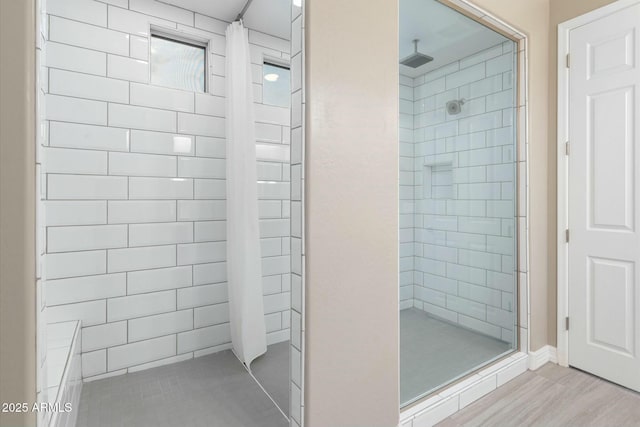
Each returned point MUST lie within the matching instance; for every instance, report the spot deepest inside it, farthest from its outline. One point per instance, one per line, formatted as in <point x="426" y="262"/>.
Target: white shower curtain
<point x="244" y="264"/>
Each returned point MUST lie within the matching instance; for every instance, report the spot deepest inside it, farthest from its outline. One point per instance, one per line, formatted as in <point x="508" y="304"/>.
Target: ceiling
<point x="268" y="16"/>
<point x="444" y="34"/>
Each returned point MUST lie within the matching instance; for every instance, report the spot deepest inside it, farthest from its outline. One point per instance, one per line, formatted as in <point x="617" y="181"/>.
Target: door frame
<point x="564" y="30"/>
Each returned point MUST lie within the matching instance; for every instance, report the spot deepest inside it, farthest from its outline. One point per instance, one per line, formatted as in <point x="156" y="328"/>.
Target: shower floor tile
<point x="272" y="372"/>
<point x="211" y="391"/>
<point x="434" y="352"/>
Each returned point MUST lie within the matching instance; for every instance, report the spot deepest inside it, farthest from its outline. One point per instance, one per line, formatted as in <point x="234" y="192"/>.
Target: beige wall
<point x="560" y="11"/>
<point x="351" y="371"/>
<point x="17" y="208"/>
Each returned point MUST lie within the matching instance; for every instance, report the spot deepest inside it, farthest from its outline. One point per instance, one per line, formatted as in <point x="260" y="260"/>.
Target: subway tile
<point x="200" y="253"/>
<point x="503" y="318"/>
<point x="500" y="209"/>
<point x="481" y="157"/>
<point x="500" y="100"/>
<point x="501" y="245"/>
<point x="160" y="188"/>
<point x="277" y="265"/>
<point x="201" y="168"/>
<point x="467" y="274"/>
<point x="269" y="171"/>
<point x="78" y="187"/>
<point x="86" y="237"/>
<point x="269" y="41"/>
<point x="480" y="122"/>
<point x="73" y="58"/>
<point x="481" y="56"/>
<point x="210" y="24"/>
<point x="201" y="210"/>
<point x="130" y="164"/>
<point x="501" y="281"/>
<point x="163" y="10"/>
<point x="209" y="273"/>
<point x="162" y="143"/>
<point x="73" y="135"/>
<point x="94" y="363"/>
<point x="273" y="153"/>
<point x="266" y="132"/>
<point x="482" y="87"/>
<point x="90" y="36"/>
<point x="210" y="189"/>
<point x="160" y="234"/>
<point x="465" y="76"/>
<point x="198" y="296"/>
<point x="66" y="161"/>
<point x="90" y="12"/>
<point x="75" y="264"/>
<point x="480" y="259"/>
<point x="103" y="336"/>
<point x="277" y="302"/>
<point x="159" y="325"/>
<point x="272" y="114"/>
<point x="210" y="231"/>
<point x="89" y="313"/>
<point x="132" y="22"/>
<point x="210" y="105"/>
<point x="466" y="241"/>
<point x="479" y="225"/>
<point x="79" y="289"/>
<point x="194" y="124"/>
<point x="130" y="259"/>
<point x="203" y="338"/>
<point x="161" y="97"/>
<point x="141" y="352"/>
<point x="66" y="109"/>
<point x="211" y="315"/>
<point x="130" y="69"/>
<point x="131" y="211"/>
<point x="500" y="64"/>
<point x="480" y="326"/>
<point x="81" y="85"/>
<point x="439" y="283"/>
<point x="274" y="190"/>
<point x="210" y="147"/>
<point x="133" y="306"/>
<point x="141" y="118"/>
<point x="139" y="47"/>
<point x="75" y="213"/>
<point x="480" y="294"/>
<point x="139" y="282"/>
<point x="467" y="307"/>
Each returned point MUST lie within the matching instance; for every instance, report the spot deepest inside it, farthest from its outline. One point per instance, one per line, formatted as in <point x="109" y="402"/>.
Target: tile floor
<point x="552" y="396"/>
<point x="210" y="391"/>
<point x="272" y="372"/>
<point x="434" y="352"/>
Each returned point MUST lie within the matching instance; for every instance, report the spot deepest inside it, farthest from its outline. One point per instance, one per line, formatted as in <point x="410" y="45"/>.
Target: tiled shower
<point x="457" y="189"/>
<point x="458" y="235"/>
<point x="132" y="224"/>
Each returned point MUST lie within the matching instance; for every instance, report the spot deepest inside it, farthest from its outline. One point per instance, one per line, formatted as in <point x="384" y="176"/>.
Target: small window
<point x="178" y="64"/>
<point x="276" y="86"/>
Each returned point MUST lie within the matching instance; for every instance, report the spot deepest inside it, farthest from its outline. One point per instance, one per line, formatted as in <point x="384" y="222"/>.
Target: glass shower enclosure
<point x="458" y="259"/>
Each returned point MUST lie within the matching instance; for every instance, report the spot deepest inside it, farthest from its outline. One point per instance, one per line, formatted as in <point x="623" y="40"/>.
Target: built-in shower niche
<point x="438" y="180"/>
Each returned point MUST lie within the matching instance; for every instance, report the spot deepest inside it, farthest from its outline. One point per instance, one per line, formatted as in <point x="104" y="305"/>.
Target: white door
<point x="604" y="197"/>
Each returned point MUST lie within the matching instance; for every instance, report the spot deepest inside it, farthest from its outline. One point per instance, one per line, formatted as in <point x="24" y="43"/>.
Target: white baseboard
<point x="540" y="357"/>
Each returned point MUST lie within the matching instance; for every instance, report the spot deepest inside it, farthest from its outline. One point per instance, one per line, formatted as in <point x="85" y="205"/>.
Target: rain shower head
<point x="416" y="59"/>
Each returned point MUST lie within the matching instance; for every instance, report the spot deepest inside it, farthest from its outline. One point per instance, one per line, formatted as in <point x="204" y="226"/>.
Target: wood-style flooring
<point x="553" y="396"/>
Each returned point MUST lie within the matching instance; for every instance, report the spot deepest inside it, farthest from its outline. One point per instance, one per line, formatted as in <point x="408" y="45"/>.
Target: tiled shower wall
<point x="464" y="191"/>
<point x="135" y="231"/>
<point x="296" y="390"/>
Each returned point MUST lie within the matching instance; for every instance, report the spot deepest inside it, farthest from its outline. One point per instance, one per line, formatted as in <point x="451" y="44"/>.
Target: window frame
<point x="188" y="39"/>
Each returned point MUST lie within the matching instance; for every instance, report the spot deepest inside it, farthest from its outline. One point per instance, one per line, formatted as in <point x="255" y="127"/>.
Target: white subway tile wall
<point x="134" y="181"/>
<point x="457" y="186"/>
<point x="296" y="211"/>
